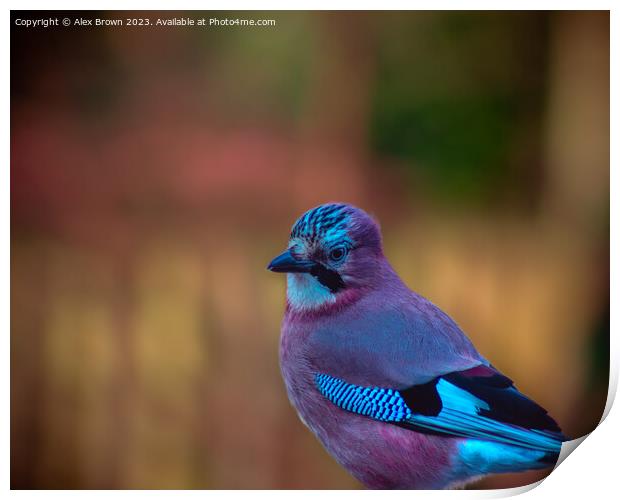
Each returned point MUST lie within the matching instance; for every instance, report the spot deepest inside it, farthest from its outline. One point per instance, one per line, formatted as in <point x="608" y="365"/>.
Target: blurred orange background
<point x="156" y="171"/>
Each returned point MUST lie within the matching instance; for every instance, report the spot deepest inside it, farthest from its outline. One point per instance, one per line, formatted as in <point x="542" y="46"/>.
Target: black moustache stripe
<point x="327" y="277"/>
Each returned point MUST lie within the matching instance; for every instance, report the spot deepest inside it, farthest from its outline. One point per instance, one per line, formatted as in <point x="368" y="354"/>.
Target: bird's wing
<point x="476" y="403"/>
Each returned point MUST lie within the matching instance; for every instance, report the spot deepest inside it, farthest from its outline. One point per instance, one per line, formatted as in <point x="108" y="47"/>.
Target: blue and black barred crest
<point x="325" y="219"/>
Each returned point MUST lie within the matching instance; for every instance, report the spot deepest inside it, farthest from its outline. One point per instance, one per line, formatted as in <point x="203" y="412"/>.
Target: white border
<point x="592" y="470"/>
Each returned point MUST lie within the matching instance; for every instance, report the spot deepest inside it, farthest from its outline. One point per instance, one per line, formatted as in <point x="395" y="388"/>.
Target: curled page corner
<point x="568" y="447"/>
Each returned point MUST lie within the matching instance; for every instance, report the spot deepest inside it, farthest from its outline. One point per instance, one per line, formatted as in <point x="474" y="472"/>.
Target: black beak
<point x="286" y="263"/>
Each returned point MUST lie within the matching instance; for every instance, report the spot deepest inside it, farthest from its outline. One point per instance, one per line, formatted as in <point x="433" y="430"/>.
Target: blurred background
<point x="156" y="171"/>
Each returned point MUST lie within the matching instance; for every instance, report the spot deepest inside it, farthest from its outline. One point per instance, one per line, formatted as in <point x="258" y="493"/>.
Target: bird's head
<point x="334" y="252"/>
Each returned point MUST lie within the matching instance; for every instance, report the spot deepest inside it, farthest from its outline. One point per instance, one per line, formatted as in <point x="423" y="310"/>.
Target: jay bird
<point x="388" y="382"/>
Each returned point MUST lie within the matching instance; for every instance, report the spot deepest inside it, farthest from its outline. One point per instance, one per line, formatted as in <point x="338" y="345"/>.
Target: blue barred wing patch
<point x="386" y="405"/>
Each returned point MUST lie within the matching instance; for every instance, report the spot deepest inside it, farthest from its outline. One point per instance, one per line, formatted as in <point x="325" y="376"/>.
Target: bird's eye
<point x="337" y="254"/>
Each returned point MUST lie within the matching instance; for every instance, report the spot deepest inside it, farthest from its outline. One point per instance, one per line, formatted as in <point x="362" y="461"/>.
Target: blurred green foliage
<point x="451" y="94"/>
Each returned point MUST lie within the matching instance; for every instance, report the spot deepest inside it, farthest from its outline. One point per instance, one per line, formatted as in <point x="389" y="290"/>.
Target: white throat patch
<point x="305" y="292"/>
